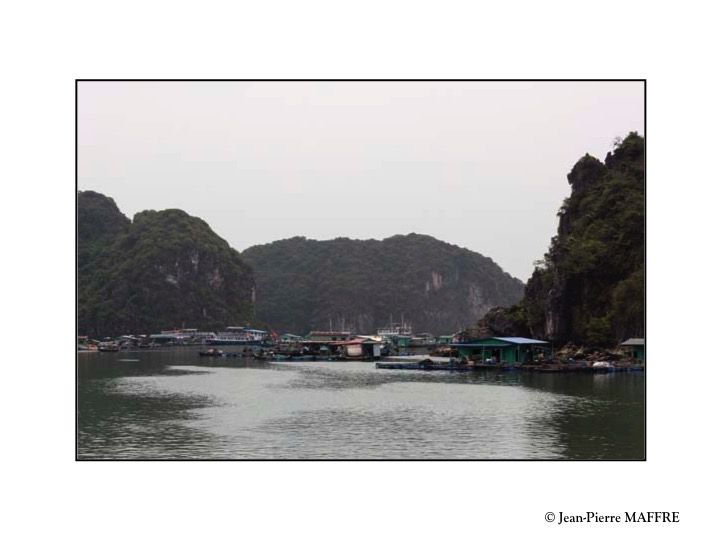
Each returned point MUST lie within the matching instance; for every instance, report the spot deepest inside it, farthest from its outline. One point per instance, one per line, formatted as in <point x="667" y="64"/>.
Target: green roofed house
<point x="636" y="347"/>
<point x="503" y="350"/>
<point x="321" y="336"/>
<point x="445" y="340"/>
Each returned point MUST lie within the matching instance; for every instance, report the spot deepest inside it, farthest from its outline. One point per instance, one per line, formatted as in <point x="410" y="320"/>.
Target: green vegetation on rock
<point x="99" y="221"/>
<point x="590" y="286"/>
<point x="166" y="269"/>
<point x="360" y="284"/>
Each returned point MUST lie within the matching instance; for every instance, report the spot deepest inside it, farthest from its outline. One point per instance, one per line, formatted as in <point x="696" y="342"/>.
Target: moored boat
<point x="602" y="367"/>
<point x="238" y="335"/>
<point x="426" y="365"/>
<point x="211" y="352"/>
<point x="108" y="346"/>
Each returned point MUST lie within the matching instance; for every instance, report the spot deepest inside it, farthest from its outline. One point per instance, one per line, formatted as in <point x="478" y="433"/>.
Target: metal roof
<point x="522" y="341"/>
<point x="508" y="340"/>
<point x="357" y="341"/>
<point x="480" y="345"/>
<point x="634" y="341"/>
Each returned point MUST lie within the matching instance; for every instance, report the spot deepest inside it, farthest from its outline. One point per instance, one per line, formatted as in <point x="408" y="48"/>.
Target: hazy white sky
<point x="479" y="164"/>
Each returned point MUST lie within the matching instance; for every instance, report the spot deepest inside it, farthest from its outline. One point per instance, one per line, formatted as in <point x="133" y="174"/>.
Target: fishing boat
<point x="108" y="346"/>
<point x="85" y="345"/>
<point x="211" y="352"/>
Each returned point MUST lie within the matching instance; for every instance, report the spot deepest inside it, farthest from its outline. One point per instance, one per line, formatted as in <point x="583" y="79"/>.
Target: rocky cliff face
<point x="590" y="287"/>
<point x="165" y="269"/>
<point x="360" y="284"/>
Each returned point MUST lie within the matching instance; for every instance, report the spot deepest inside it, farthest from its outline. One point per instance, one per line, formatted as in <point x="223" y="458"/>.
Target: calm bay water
<point x="175" y="405"/>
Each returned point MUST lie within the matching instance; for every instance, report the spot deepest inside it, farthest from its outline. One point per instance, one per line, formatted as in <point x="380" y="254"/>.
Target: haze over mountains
<point x="168" y="269"/>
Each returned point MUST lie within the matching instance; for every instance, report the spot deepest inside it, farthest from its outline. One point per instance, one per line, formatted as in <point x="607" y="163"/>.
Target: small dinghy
<point x="602" y="367"/>
<point x="211" y="352"/>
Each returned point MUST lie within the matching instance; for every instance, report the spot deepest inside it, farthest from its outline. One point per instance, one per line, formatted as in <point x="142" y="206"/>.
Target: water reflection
<point x="176" y="405"/>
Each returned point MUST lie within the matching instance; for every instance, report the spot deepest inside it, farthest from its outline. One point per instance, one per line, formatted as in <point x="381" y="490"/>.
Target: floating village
<point x="392" y="347"/>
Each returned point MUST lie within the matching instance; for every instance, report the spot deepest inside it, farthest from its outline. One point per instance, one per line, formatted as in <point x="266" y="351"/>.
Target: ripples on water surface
<point x="173" y="404"/>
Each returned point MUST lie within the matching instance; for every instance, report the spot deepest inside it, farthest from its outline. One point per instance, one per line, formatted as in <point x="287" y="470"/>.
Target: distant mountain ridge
<point x="359" y="285"/>
<point x="166" y="269"/>
<point x="162" y="270"/>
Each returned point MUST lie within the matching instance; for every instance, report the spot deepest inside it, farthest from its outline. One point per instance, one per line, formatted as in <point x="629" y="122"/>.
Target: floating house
<point x="167" y="338"/>
<point x="324" y="343"/>
<point x="290" y="338"/>
<point x="636" y="347"/>
<point x="445" y="340"/>
<point x="322" y="337"/>
<point x="345" y="345"/>
<point x="503" y="350"/>
<point x="423" y="339"/>
<point x="359" y="347"/>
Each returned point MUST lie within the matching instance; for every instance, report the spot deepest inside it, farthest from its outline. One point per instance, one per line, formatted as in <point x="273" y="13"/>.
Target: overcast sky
<point x="481" y="165"/>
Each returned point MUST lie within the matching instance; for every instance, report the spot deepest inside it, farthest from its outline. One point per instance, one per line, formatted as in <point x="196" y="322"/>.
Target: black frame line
<point x="77" y="410"/>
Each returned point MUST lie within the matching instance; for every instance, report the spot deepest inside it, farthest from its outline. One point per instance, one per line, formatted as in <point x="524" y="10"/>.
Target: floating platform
<point x="550" y="368"/>
<point x="306" y="358"/>
<point x="570" y="368"/>
<point x="424" y="366"/>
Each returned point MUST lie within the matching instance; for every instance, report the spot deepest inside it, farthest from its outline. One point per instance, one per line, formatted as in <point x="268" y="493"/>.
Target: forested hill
<point x="306" y="284"/>
<point x="99" y="222"/>
<point x="162" y="270"/>
<point x="589" y="289"/>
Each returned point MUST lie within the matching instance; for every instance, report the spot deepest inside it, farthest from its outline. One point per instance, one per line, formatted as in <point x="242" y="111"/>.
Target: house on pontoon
<point x="446" y="339"/>
<point x="318" y="336"/>
<point x="290" y="338"/>
<point x="504" y="350"/>
<point x="166" y="338"/>
<point x="358" y="347"/>
<point x="636" y="348"/>
<point x="344" y="345"/>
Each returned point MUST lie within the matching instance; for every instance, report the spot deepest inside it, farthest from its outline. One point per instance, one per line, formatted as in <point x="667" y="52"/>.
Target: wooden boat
<point x="108" y="346"/>
<point x="549" y="368"/>
<point x="211" y="352"/>
<point x="425" y="365"/>
<point x="291" y="358"/>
